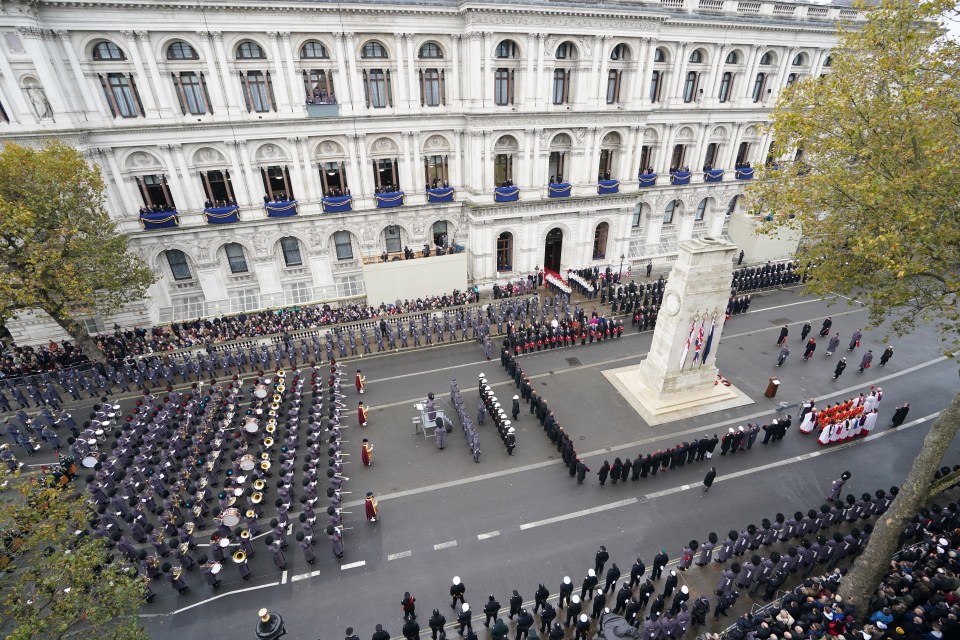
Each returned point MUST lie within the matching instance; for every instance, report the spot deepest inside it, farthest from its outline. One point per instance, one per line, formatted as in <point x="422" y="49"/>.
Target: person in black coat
<point x="637" y="571"/>
<point x="600" y="559"/>
<point x="547" y="615"/>
<point x="659" y="562"/>
<point x="516" y="602"/>
<point x="524" y="622"/>
<point x="380" y="633"/>
<point x="589" y="584"/>
<point x="411" y="629"/>
<point x="540" y="597"/>
<point x="708" y="479"/>
<point x="599" y="603"/>
<point x="490" y="610"/>
<point x="613" y="574"/>
<point x="437" y="622"/>
<point x="604" y="472"/>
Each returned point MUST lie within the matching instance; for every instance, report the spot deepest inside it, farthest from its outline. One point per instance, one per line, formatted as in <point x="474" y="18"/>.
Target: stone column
<point x="239" y="179"/>
<point x="486" y="86"/>
<point x="354" y="179"/>
<point x="299" y="185"/>
<point x="167" y="102"/>
<point x="115" y="203"/>
<point x="401" y="99"/>
<point x="21" y="112"/>
<point x="536" y="174"/>
<point x="279" y="77"/>
<point x="644" y="71"/>
<point x="487" y="162"/>
<point x="253" y="174"/>
<point x="604" y="48"/>
<point x="175" y="182"/>
<point x="747" y="89"/>
<point x="417" y="166"/>
<point x="699" y="149"/>
<point x="230" y="81"/>
<point x="33" y="38"/>
<point x="476" y="79"/>
<point x="192" y="188"/>
<point x="406" y="170"/>
<point x="529" y="78"/>
<point x="731" y="154"/>
<point x="144" y="89"/>
<point x="665" y="151"/>
<point x="781" y="78"/>
<point x="539" y="79"/>
<point x="364" y="170"/>
<point x="413" y="81"/>
<point x="630" y="168"/>
<point x="595" y="72"/>
<point x="355" y="80"/>
<point x="311" y="175"/>
<point x="712" y="86"/>
<point x="456" y="165"/>
<point x="346" y="89"/>
<point x="297" y="95"/>
<point x="215" y="76"/>
<point x="83" y="88"/>
<point x="476" y="165"/>
<point x="680" y="70"/>
<point x="455" y="75"/>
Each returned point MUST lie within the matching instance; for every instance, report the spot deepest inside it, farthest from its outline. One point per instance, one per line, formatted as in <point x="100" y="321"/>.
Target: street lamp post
<point x="622" y="258"/>
<point x="270" y="625"/>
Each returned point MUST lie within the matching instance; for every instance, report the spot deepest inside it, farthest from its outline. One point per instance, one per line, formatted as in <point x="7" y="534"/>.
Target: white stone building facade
<point x="184" y="105"/>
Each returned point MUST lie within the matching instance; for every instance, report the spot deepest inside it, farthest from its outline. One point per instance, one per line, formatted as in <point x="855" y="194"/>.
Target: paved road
<point x="510" y="522"/>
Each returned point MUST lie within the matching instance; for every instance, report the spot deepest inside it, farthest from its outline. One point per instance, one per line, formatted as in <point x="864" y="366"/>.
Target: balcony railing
<point x="323" y="110"/>
<point x="153" y="220"/>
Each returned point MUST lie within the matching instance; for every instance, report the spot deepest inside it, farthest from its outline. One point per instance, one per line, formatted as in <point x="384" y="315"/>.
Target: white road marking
<point x="444" y="545"/>
<point x="639" y="443"/>
<point x="353" y="565"/>
<point x="800" y="458"/>
<point x="229" y="593"/>
<point x="579" y="514"/>
<point x="397" y="556"/>
<point x="283" y="578"/>
<point x="792" y="304"/>
<point x="304" y="576"/>
<point x="484" y="536"/>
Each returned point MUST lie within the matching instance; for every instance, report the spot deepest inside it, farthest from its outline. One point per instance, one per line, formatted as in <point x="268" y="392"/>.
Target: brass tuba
<point x="239" y="557"/>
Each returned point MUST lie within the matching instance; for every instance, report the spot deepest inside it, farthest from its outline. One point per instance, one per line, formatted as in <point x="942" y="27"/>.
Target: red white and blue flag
<point x="686" y="349"/>
<point x="699" y="344"/>
<point x="706" y="347"/>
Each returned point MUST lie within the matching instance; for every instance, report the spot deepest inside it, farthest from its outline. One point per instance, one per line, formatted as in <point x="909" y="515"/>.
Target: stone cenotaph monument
<point x="679" y="378"/>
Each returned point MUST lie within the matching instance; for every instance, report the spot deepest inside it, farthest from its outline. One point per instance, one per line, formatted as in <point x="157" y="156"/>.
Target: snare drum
<point x="215" y="569"/>
<point x="91" y="459"/>
<point x="231" y="517"/>
<point x="247" y="462"/>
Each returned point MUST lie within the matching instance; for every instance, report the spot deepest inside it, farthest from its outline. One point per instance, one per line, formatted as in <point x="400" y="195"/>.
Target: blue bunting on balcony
<point x="680" y="177"/>
<point x="745" y="173"/>
<point x="506" y="194"/>
<point x="713" y="175"/>
<point x="389" y="200"/>
<point x="282" y="209"/>
<point x="440" y="195"/>
<point x="338" y="204"/>
<point x="648" y="179"/>
<point x="559" y="190"/>
<point x="608" y="186"/>
<point x="159" y="220"/>
<point x="221" y="215"/>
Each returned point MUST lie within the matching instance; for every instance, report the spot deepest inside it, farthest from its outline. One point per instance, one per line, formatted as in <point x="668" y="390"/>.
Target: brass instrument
<point x="281" y="388"/>
<point x="245" y="534"/>
<point x="189" y="527"/>
<point x="268" y="442"/>
<point x="259" y="485"/>
<point x="265" y="465"/>
<point x="281" y="374"/>
<point x="275" y="406"/>
<point x="271" y="428"/>
<point x="251" y="513"/>
<point x="256" y="498"/>
<point x="239" y="557"/>
<point x="177" y="571"/>
<point x="197" y="510"/>
<point x="184" y="547"/>
<point x="264" y="456"/>
<point x="160" y="535"/>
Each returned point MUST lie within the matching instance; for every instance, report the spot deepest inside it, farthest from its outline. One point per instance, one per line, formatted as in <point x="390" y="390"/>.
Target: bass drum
<point x="90" y="460"/>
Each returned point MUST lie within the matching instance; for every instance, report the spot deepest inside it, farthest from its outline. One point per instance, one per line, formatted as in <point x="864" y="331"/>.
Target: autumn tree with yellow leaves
<point x="59" y="249"/>
<point x="872" y="181"/>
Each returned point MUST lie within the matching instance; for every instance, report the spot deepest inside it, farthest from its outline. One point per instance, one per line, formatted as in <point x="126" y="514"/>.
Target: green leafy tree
<point x="59" y="582"/>
<point x="873" y="188"/>
<point x="59" y="249"/>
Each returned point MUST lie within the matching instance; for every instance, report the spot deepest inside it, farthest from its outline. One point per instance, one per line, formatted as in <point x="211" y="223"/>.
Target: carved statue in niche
<point x="38" y="100"/>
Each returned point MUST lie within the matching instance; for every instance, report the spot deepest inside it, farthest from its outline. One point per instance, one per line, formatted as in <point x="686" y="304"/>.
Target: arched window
<point x="701" y="211"/>
<point x="313" y="51"/>
<point x="620" y="52"/>
<point x="566" y="51"/>
<point x="250" y="51"/>
<point x="373" y="49"/>
<point x="659" y="55"/>
<point x="669" y="211"/>
<point x="799" y="60"/>
<point x="637" y="215"/>
<point x="439" y="233"/>
<point x="733" y="205"/>
<point x="431" y="51"/>
<point x="181" y="51"/>
<point x="507" y="49"/>
<point x="179" y="267"/>
<point x="696" y="57"/>
<point x="291" y="252"/>
<point x="236" y="258"/>
<point x="391" y="237"/>
<point x="828" y="61"/>
<point x="107" y="51"/>
<point x="733" y="58"/>
<point x="766" y="59"/>
<point x="600" y="241"/>
<point x="505" y="251"/>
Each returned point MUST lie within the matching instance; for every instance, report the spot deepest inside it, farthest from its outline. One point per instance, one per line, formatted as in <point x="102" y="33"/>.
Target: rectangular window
<point x="690" y="86"/>
<point x="296" y="293"/>
<point x="711" y="158"/>
<point x="613" y="86"/>
<point x="318" y="86"/>
<point x="637" y="216"/>
<point x="646" y="165"/>
<point x="376" y="87"/>
<point x="291" y="252"/>
<point x="726" y="86"/>
<point x="349" y="286"/>
<point x="503" y="170"/>
<point x="178" y="265"/>
<point x="121" y="94"/>
<point x="503" y="80"/>
<point x="385" y="175"/>
<point x="258" y="91"/>
<point x="561" y="86"/>
<point x="344" y="245"/>
<point x="430" y="94"/>
<point x="435" y="169"/>
<point x="244" y="300"/>
<point x="155" y="192"/>
<point x="391" y="236"/>
<point x="192" y="93"/>
<point x="188" y="307"/>
<point x="758" y="87"/>
<point x="656" y="83"/>
<point x="218" y="187"/>
<point x="334" y="179"/>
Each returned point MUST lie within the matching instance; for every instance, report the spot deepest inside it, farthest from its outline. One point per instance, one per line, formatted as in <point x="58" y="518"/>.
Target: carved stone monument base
<point x="656" y="408"/>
